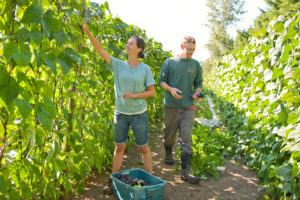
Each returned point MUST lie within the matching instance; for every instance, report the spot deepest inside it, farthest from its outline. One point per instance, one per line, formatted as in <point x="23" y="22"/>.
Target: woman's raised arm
<point x="96" y="44"/>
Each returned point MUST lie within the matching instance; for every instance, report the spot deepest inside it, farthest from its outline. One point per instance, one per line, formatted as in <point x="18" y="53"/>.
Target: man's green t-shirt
<point x="183" y="74"/>
<point x="130" y="79"/>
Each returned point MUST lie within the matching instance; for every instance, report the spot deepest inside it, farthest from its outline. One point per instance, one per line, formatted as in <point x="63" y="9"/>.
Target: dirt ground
<point x="236" y="182"/>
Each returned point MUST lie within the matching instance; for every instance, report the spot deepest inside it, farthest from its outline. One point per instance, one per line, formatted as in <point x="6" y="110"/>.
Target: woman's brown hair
<point x="140" y="44"/>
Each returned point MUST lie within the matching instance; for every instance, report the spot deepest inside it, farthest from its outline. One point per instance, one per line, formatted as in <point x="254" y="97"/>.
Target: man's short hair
<point x="188" y="39"/>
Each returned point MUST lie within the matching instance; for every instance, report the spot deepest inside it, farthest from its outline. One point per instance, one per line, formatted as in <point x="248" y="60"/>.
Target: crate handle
<point x="124" y="172"/>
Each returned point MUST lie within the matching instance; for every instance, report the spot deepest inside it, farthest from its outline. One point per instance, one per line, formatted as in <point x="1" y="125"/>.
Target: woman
<point x="133" y="84"/>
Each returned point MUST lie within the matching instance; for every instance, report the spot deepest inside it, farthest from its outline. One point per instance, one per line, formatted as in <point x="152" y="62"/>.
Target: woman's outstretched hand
<point x="85" y="27"/>
<point x="96" y="43"/>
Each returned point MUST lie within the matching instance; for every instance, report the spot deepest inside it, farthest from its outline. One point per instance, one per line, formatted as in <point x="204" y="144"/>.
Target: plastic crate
<point x="127" y="192"/>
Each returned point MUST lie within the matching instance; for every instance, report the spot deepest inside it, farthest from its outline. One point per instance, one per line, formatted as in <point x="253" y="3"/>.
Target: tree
<point x="277" y="7"/>
<point x="241" y="39"/>
<point x="222" y="14"/>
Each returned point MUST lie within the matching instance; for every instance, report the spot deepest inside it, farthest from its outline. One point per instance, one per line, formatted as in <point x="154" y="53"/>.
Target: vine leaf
<point x="32" y="14"/>
<point x="24" y="107"/>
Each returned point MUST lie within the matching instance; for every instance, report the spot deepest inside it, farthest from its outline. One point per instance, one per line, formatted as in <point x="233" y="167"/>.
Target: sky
<point x="168" y="21"/>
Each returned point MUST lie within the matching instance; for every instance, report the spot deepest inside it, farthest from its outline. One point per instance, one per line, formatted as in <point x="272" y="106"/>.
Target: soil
<point x="237" y="182"/>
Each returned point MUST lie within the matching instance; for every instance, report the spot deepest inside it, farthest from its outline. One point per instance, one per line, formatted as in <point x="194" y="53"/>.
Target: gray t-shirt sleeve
<point x="149" y="77"/>
<point x="114" y="63"/>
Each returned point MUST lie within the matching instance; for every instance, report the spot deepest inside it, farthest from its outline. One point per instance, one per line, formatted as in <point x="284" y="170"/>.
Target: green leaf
<point x="36" y="36"/>
<point x="279" y="27"/>
<point x="296" y="74"/>
<point x="24" y="107"/>
<point x="64" y="66"/>
<point x="65" y="61"/>
<point x="72" y="37"/>
<point x="277" y="72"/>
<point x="14" y="195"/>
<point x="67" y="185"/>
<point x="60" y="37"/>
<point x="32" y="14"/>
<point x="259" y="83"/>
<point x="271" y="157"/>
<point x="73" y="55"/>
<point x="284" y="171"/>
<point x="22" y="35"/>
<point x="49" y="23"/>
<point x="294" y="43"/>
<point x="4" y="77"/>
<point x="67" y="115"/>
<point x="30" y="137"/>
<point x="26" y="192"/>
<point x="290" y="97"/>
<point x="295" y="154"/>
<point x="84" y="168"/>
<point x="46" y="90"/>
<point x="92" y="83"/>
<point x="293" y="117"/>
<point x="2" y="27"/>
<point x="287" y="187"/>
<point x="262" y="172"/>
<point x="80" y="188"/>
<point x="282" y="116"/>
<point x="286" y="53"/>
<point x="39" y="60"/>
<point x="9" y="92"/>
<point x="10" y="49"/>
<point x="50" y="154"/>
<point x="2" y="184"/>
<point x="291" y="32"/>
<point x="51" y="65"/>
<point x="24" y="56"/>
<point x="106" y="5"/>
<point x="61" y="164"/>
<point x="39" y="136"/>
<point x="48" y="108"/>
<point x="44" y="119"/>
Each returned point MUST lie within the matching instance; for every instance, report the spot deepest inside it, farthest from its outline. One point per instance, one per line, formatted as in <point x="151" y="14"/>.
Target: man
<point x="181" y="78"/>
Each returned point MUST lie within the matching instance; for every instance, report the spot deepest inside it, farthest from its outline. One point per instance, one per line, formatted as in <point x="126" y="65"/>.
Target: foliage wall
<point x="57" y="94"/>
<point x="259" y="91"/>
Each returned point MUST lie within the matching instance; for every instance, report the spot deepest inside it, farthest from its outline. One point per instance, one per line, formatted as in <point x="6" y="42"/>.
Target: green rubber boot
<point x="169" y="157"/>
<point x="186" y="173"/>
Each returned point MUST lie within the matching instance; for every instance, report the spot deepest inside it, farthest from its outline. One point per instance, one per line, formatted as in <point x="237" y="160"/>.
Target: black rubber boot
<point x="169" y="157"/>
<point x="108" y="189"/>
<point x="186" y="173"/>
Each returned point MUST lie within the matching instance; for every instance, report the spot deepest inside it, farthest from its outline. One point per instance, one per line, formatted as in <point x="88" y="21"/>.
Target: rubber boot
<point x="169" y="157"/>
<point x="186" y="173"/>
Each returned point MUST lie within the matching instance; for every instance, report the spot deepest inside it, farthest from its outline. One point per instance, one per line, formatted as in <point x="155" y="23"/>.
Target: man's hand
<point x="174" y="92"/>
<point x="197" y="96"/>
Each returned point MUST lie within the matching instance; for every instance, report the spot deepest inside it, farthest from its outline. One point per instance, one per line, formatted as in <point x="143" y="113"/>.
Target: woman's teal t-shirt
<point x="130" y="79"/>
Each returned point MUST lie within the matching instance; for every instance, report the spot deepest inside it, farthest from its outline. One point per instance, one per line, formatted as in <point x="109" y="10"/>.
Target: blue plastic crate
<point x="127" y="192"/>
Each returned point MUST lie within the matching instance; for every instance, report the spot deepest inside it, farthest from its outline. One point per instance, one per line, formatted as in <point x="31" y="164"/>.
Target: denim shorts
<point x="138" y="123"/>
